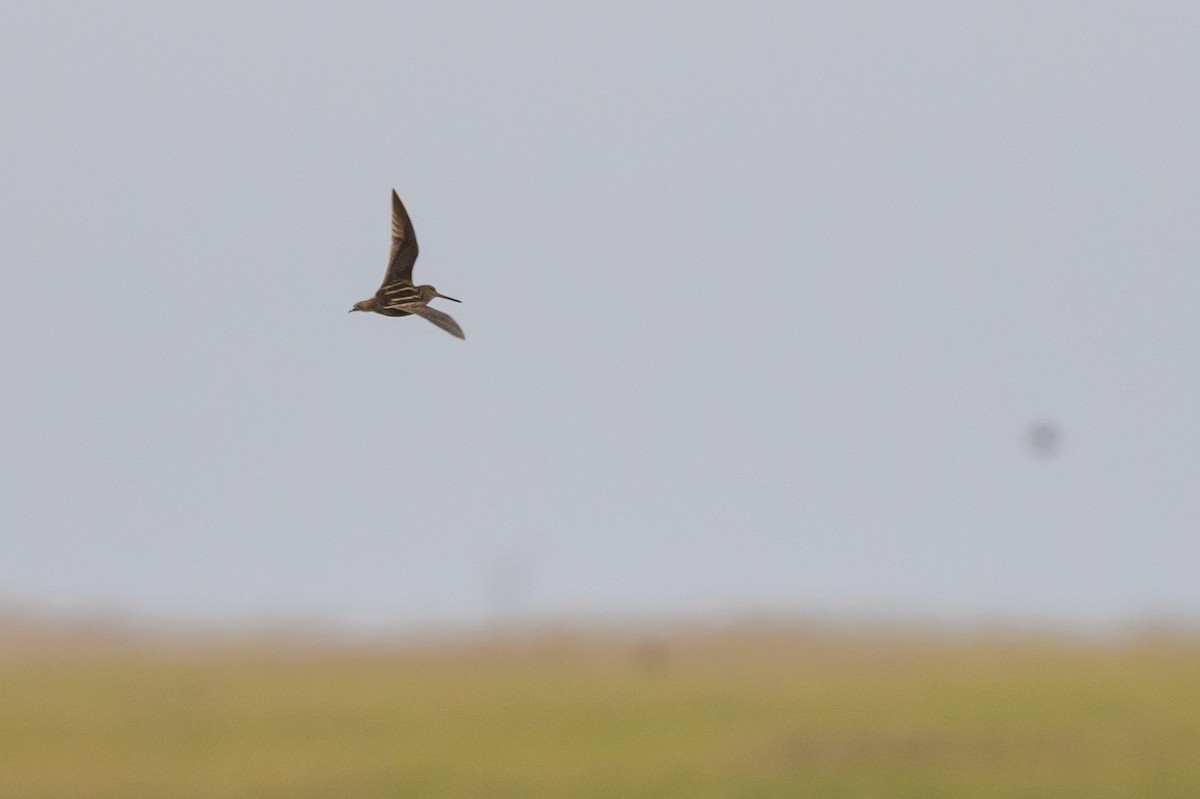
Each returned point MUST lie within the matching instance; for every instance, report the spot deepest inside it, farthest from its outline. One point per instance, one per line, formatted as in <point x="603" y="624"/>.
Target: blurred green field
<point x="743" y="711"/>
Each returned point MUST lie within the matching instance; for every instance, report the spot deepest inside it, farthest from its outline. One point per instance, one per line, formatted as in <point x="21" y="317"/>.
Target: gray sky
<point x="761" y="302"/>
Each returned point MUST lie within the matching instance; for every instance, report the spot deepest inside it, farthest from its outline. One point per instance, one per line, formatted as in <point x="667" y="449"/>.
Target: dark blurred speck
<point x="1044" y="439"/>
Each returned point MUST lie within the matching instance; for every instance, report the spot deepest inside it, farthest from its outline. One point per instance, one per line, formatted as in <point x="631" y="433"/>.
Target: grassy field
<point x="747" y="711"/>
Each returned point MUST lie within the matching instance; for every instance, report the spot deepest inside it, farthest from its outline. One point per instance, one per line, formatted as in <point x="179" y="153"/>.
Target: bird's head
<point x="365" y="305"/>
<point x="429" y="292"/>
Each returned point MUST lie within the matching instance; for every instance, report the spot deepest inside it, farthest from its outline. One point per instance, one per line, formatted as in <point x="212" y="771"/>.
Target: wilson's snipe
<point x="398" y="296"/>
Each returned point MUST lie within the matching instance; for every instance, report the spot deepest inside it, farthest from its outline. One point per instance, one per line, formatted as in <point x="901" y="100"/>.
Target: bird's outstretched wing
<point x="440" y="319"/>
<point x="404" y="246"/>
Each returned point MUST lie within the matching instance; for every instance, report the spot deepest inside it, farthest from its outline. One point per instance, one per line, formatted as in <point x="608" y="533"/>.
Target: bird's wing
<point x="404" y="246"/>
<point x="440" y="319"/>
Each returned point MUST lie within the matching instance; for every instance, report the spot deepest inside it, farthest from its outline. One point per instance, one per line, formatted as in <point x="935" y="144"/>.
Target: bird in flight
<point x="398" y="296"/>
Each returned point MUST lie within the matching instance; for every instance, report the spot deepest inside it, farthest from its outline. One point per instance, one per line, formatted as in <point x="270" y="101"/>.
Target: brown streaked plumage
<point x="398" y="296"/>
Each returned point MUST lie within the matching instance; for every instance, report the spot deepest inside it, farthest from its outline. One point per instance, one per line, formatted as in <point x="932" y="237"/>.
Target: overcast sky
<point x="764" y="306"/>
